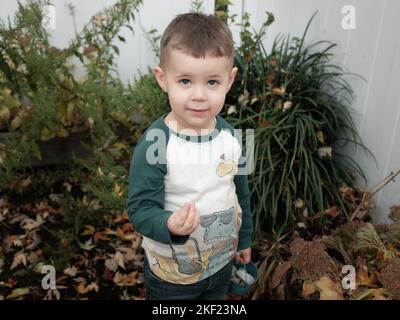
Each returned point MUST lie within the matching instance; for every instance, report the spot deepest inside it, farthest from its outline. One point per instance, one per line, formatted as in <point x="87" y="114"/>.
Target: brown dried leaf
<point x="279" y="273"/>
<point x="17" y="218"/>
<point x="83" y="289"/>
<point x="20" y="257"/>
<point x="121" y="218"/>
<point x="129" y="253"/>
<point x="363" y="277"/>
<point x="109" y="231"/>
<point x="130" y="235"/>
<point x="280" y="91"/>
<point x="88" y="230"/>
<point x="111" y="265"/>
<point x="99" y="236"/>
<point x="280" y="292"/>
<point x="298" y="203"/>
<point x="33" y="258"/>
<point x="136" y="242"/>
<point x="119" y="259"/>
<point x="123" y="280"/>
<point x="10" y="241"/>
<point x="332" y="211"/>
<point x="308" y="289"/>
<point x="329" y="289"/>
<point x="34" y="240"/>
<point x="30" y="224"/>
<point x="71" y="271"/>
<point x="372" y="294"/>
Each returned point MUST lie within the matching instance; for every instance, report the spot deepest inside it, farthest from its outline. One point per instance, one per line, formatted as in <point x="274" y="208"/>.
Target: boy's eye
<point x="212" y="82"/>
<point x="184" y="81"/>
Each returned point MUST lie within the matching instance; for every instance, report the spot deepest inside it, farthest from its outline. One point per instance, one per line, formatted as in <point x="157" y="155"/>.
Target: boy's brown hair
<point x="197" y="35"/>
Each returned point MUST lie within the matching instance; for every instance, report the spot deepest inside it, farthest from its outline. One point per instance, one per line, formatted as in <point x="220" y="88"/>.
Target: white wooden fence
<point x="371" y="49"/>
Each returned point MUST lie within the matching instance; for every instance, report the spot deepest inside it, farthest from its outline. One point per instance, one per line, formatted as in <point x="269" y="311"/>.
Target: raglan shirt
<point x="169" y="169"/>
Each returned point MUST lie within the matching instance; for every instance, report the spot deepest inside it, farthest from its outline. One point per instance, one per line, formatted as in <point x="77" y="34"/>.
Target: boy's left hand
<point x="243" y="256"/>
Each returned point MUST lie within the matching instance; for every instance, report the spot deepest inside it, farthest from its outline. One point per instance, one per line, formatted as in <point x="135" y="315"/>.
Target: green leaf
<point x="115" y="48"/>
<point x="16" y="293"/>
<point x="36" y="151"/>
<point x="88" y="245"/>
<point x="270" y="19"/>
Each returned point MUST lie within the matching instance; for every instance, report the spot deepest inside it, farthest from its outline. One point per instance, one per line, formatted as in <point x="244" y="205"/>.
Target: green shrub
<point x="149" y="100"/>
<point x="45" y="101"/>
<point x="40" y="98"/>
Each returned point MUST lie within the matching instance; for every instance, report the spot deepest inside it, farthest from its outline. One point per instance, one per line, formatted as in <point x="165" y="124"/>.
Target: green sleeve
<point x="243" y="194"/>
<point x="146" y="196"/>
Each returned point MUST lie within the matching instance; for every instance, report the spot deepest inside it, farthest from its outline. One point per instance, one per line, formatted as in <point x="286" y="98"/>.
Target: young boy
<point x="187" y="194"/>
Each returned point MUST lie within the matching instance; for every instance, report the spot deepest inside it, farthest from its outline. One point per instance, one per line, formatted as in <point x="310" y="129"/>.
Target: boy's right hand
<point x="184" y="220"/>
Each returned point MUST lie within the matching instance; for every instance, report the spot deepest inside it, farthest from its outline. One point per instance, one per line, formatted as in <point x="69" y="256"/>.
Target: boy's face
<point x="196" y="88"/>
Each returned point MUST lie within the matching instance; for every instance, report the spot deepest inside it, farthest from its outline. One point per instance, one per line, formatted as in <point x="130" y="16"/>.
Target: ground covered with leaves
<point x="102" y="260"/>
<point x="356" y="260"/>
<point x="97" y="254"/>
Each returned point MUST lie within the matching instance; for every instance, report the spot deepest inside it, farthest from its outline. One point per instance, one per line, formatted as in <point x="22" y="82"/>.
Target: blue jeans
<point x="214" y="287"/>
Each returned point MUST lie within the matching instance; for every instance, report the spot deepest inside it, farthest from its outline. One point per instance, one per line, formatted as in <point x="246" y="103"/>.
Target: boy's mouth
<point x="197" y="111"/>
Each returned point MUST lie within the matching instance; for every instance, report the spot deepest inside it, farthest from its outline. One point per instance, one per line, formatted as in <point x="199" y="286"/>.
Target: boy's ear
<point x="232" y="78"/>
<point x="160" y="77"/>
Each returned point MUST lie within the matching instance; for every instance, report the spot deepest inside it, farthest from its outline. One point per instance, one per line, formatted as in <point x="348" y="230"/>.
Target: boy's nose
<point x="198" y="94"/>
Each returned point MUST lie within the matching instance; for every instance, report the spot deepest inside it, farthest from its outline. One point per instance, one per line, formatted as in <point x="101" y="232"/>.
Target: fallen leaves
<point x="30" y="224"/>
<point x="82" y="288"/>
<point x="329" y="289"/>
<point x="119" y="259"/>
<point x="309" y="288"/>
<point x="318" y="265"/>
<point x="280" y="91"/>
<point x="363" y="277"/>
<point x="103" y="260"/>
<point x="88" y="231"/>
<point x="71" y="271"/>
<point x="19" y="258"/>
<point x="123" y="280"/>
<point x="372" y="294"/>
<point x="111" y="265"/>
<point x="88" y="245"/>
<point x="279" y="273"/>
